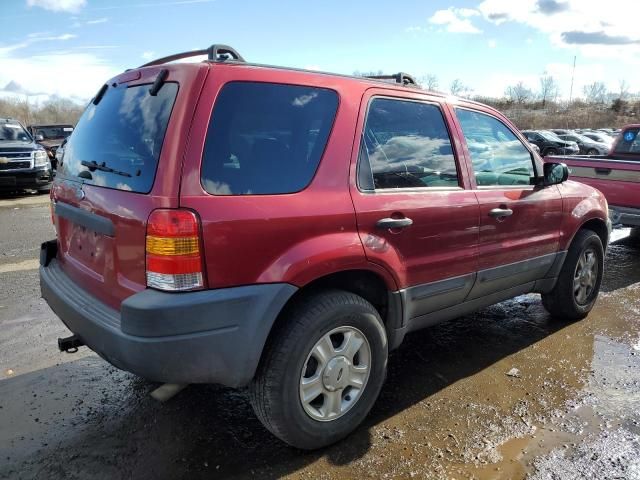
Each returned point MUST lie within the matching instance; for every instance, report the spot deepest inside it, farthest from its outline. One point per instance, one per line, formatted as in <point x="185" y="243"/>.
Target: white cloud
<point x="149" y="55"/>
<point x="584" y="25"/>
<point x="97" y="21"/>
<point x="153" y="4"/>
<point x="492" y="43"/>
<point x="456" y="20"/>
<point x="58" y="5"/>
<point x="65" y="73"/>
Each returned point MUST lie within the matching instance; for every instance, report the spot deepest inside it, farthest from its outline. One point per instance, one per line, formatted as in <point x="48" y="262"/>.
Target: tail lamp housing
<point x="174" y="260"/>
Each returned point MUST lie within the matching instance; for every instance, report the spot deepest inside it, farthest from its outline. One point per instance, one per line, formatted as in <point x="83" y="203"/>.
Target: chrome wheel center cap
<point x="336" y="374"/>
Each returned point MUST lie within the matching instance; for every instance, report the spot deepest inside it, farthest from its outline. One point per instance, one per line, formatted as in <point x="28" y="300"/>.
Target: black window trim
<point x="524" y="144"/>
<point x="408" y="189"/>
<point x="322" y="155"/>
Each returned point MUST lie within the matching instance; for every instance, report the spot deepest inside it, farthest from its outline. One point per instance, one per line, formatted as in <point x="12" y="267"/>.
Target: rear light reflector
<point x="174" y="260"/>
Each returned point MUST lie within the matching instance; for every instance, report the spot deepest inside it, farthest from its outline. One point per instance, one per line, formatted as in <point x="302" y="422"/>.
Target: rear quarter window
<point x="266" y="138"/>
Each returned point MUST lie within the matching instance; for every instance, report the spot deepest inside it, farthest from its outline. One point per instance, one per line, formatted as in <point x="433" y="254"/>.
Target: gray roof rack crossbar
<point x="215" y="53"/>
<point x="401" y="78"/>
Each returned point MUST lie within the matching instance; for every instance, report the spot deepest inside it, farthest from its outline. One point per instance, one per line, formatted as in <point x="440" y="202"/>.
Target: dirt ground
<point x="506" y="393"/>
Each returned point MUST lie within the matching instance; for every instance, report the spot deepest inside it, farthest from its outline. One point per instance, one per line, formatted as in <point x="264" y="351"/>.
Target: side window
<point x="405" y="144"/>
<point x="266" y="138"/>
<point x="497" y="155"/>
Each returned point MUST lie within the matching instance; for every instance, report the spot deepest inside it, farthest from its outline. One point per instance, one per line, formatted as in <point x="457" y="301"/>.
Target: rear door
<point x="123" y="161"/>
<point x="415" y="216"/>
<point x="520" y="223"/>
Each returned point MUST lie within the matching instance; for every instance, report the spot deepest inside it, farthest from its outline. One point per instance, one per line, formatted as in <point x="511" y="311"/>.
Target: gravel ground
<point x="506" y="393"/>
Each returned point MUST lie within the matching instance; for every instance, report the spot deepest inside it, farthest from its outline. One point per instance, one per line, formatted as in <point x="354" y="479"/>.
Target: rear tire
<point x="578" y="285"/>
<point x="281" y="393"/>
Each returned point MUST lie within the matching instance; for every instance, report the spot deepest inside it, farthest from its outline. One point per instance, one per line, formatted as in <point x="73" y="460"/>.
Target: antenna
<point x="573" y="73"/>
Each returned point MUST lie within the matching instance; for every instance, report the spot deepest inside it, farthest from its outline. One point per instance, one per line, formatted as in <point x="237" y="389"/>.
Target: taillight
<point x="174" y="258"/>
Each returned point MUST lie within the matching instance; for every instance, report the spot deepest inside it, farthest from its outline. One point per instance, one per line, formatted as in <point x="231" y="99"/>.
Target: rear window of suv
<point x="266" y="138"/>
<point x="629" y="141"/>
<point x="117" y="143"/>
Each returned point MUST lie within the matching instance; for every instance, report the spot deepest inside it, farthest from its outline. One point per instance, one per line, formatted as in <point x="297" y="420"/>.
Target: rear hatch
<point x="123" y="160"/>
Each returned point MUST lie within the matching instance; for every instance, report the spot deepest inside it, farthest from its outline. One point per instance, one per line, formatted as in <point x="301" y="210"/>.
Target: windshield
<point x="577" y="136"/>
<point x="549" y="136"/>
<point x="13" y="132"/>
<point x="54" y="133"/>
<point x="117" y="143"/>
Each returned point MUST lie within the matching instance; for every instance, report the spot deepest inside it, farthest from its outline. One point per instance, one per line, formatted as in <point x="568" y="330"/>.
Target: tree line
<point x="52" y="111"/>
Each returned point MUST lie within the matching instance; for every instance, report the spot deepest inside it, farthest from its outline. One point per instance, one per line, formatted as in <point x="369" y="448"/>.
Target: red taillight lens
<point x="174" y="259"/>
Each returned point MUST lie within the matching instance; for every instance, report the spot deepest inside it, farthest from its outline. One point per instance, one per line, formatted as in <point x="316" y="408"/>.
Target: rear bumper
<point x="213" y="336"/>
<point x="625" y="216"/>
<point x="36" y="178"/>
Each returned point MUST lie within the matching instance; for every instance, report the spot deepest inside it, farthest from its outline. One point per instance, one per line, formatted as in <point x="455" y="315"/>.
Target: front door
<point x="519" y="222"/>
<point x="415" y="216"/>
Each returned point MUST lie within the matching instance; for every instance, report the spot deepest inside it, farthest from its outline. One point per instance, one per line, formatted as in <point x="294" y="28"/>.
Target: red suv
<point x="281" y="229"/>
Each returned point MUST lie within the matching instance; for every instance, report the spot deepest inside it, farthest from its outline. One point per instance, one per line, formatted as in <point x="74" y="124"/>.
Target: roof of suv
<point x="223" y="54"/>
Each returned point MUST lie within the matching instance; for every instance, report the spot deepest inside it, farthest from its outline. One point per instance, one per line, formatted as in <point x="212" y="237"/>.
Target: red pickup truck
<point x="248" y="225"/>
<point x="616" y="175"/>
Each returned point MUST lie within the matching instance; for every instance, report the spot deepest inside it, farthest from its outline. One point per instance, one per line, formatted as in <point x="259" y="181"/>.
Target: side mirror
<point x="39" y="137"/>
<point x="555" y="173"/>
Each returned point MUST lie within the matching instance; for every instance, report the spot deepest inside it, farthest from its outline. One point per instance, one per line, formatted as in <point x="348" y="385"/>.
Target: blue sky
<point x="70" y="47"/>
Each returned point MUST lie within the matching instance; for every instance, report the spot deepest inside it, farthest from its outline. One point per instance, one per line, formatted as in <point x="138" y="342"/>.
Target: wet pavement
<point x="506" y="393"/>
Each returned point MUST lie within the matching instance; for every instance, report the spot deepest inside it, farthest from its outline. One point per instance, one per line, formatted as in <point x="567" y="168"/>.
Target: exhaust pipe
<point x="70" y="344"/>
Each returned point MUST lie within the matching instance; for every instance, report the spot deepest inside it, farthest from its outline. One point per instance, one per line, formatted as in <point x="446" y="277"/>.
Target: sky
<point x="70" y="48"/>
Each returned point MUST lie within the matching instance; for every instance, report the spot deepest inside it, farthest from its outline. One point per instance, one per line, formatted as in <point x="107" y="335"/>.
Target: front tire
<point x="578" y="285"/>
<point x="592" y="151"/>
<point x="550" y="151"/>
<point x="322" y="370"/>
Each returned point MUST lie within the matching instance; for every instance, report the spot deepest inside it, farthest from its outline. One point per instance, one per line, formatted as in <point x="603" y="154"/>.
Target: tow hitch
<point x="70" y="344"/>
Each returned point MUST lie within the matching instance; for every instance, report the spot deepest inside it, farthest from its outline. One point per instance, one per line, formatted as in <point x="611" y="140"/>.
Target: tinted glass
<point x="123" y="133"/>
<point x="405" y="145"/>
<point x="12" y="132"/>
<point x="54" y="132"/>
<point x="498" y="156"/>
<point x="266" y="138"/>
<point x="629" y="141"/>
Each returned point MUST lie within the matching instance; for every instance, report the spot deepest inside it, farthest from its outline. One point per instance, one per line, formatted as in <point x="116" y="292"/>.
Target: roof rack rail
<point x="401" y="78"/>
<point x="215" y="53"/>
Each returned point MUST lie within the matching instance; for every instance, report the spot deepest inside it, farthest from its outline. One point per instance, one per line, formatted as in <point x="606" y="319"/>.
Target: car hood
<point x="9" y="146"/>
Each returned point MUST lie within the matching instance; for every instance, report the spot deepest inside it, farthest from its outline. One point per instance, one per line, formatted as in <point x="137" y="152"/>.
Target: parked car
<point x="616" y="175"/>
<point x="599" y="137"/>
<point x="586" y="145"/>
<point x="549" y="143"/>
<point x="560" y="131"/>
<point x="51" y="138"/>
<point x="284" y="230"/>
<point x="24" y="165"/>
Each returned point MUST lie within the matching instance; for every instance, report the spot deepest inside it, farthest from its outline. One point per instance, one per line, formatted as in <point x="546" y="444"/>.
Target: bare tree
<point x="54" y="110"/>
<point x="518" y="93"/>
<point x="430" y="82"/>
<point x="458" y="88"/>
<point x="549" y="89"/>
<point x="624" y="89"/>
<point x="595" y="92"/>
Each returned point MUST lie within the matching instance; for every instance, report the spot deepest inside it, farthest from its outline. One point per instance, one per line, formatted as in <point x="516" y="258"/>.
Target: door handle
<point x="602" y="171"/>
<point x="394" y="222"/>
<point x="500" y="212"/>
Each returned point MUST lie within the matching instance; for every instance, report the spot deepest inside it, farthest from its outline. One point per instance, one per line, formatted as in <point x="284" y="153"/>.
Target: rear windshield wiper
<point x="93" y="166"/>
